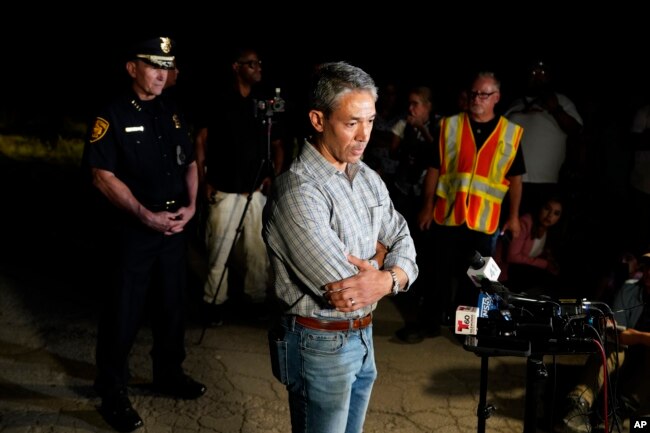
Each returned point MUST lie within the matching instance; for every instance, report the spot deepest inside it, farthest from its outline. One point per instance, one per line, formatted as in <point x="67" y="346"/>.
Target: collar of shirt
<point x="152" y="106"/>
<point x="320" y="169"/>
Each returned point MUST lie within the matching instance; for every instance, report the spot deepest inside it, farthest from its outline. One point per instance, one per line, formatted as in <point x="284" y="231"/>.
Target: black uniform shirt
<point x="146" y="144"/>
<point x="237" y="143"/>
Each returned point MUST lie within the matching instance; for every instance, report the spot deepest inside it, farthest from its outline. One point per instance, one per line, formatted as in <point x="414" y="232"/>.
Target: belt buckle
<point x="358" y="323"/>
<point x="171" y="206"/>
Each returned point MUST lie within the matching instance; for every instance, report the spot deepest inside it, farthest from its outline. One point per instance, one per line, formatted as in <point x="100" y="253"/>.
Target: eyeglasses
<point x="252" y="63"/>
<point x="480" y="95"/>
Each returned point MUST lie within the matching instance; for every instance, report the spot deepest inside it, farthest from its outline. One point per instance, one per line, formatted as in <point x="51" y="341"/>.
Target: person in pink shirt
<point x="528" y="263"/>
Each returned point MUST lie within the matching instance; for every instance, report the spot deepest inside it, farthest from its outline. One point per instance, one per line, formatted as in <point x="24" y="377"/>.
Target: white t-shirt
<point x="543" y="142"/>
<point x="399" y="127"/>
<point x="538" y="246"/>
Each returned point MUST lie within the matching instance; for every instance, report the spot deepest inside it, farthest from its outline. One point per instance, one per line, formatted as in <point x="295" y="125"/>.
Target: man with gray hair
<point x="140" y="158"/>
<point x="337" y="246"/>
<point x="477" y="163"/>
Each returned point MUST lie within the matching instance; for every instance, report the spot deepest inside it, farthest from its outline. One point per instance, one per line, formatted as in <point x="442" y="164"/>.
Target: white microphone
<point x="481" y="268"/>
<point x="466" y="320"/>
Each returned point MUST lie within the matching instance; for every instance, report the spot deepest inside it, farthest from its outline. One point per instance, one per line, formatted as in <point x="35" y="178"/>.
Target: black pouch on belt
<point x="278" y="351"/>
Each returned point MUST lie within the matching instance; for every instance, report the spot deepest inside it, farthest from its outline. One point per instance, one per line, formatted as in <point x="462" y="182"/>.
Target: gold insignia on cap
<point x="99" y="129"/>
<point x="177" y="121"/>
<point x="165" y="45"/>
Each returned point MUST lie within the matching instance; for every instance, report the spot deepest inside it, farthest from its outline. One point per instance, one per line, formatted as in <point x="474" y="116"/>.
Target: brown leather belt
<point x="334" y="325"/>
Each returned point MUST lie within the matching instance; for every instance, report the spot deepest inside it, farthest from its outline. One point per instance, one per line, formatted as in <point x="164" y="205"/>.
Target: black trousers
<point x="149" y="267"/>
<point x="451" y="252"/>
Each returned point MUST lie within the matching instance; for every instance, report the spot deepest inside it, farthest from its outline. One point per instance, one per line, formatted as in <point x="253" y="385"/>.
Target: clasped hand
<point x="169" y="223"/>
<point x="355" y="292"/>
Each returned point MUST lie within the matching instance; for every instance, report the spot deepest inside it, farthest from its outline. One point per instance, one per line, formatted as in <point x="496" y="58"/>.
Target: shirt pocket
<point x="133" y="147"/>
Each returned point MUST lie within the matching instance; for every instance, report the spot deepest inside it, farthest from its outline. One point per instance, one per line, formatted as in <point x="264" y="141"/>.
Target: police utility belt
<point x="168" y="206"/>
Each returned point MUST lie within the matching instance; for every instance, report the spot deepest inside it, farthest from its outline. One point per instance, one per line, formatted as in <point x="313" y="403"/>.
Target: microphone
<point x="489" y="307"/>
<point x="493" y="301"/>
<point x="486" y="303"/>
<point x="466" y="320"/>
<point x="484" y="272"/>
<point x="482" y="268"/>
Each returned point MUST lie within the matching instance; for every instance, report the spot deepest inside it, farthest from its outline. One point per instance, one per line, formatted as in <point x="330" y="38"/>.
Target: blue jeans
<point x="329" y="376"/>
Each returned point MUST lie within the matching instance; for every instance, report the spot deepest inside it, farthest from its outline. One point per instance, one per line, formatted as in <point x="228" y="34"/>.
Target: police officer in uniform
<point x="141" y="161"/>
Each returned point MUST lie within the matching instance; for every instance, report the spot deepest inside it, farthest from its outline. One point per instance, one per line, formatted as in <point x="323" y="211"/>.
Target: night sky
<point x="73" y="65"/>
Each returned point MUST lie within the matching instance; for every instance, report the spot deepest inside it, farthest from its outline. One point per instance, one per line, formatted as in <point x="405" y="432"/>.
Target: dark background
<point x="71" y="61"/>
<point x="61" y="63"/>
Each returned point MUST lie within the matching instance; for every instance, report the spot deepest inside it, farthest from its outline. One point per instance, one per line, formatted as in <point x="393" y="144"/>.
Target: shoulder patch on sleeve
<point x="99" y="129"/>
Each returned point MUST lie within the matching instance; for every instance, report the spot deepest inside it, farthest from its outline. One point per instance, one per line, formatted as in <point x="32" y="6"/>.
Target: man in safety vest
<point x="478" y="161"/>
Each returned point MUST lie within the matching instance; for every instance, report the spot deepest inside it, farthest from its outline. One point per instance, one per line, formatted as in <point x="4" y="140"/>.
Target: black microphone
<point x="482" y="268"/>
<point x="476" y="261"/>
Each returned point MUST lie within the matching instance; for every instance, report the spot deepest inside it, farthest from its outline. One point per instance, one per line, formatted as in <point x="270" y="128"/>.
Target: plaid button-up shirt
<point x="315" y="217"/>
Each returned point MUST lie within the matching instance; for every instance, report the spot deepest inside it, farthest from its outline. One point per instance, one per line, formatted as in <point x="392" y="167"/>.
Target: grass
<point x="23" y="148"/>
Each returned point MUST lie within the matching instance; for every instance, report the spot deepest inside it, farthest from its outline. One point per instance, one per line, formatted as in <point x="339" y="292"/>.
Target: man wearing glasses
<point x="232" y="152"/>
<point x="477" y="161"/>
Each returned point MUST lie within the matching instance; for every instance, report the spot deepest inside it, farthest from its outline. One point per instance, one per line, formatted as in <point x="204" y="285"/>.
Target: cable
<point x="605" y="380"/>
<point x="600" y="304"/>
<point x="615" y="382"/>
<point x="554" y="392"/>
<point x="609" y="394"/>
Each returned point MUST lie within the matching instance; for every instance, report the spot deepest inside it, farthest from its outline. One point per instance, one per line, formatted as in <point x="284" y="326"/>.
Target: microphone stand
<point x="240" y="227"/>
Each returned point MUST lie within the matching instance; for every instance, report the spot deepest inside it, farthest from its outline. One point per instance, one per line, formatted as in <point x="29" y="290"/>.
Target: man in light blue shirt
<point x="337" y="246"/>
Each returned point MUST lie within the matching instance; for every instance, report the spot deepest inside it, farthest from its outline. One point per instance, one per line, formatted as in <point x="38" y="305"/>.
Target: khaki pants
<point x="249" y="254"/>
<point x="633" y="374"/>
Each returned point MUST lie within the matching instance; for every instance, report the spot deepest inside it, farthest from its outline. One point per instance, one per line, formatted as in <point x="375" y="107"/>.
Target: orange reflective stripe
<point x="460" y="210"/>
<point x="472" y="186"/>
<point x="439" y="210"/>
<point x="467" y="153"/>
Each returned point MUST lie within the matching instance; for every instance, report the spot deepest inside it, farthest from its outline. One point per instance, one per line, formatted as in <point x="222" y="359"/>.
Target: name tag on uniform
<point x="134" y="129"/>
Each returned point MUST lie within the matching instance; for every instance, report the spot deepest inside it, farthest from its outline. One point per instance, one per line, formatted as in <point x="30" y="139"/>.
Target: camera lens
<point x="278" y="105"/>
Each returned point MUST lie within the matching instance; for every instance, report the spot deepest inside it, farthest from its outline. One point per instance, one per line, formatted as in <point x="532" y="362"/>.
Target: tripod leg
<point x="535" y="374"/>
<point x="265" y="137"/>
<point x="238" y="231"/>
<point x="484" y="411"/>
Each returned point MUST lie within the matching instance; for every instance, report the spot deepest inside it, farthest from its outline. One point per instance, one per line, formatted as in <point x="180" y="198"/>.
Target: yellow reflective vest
<point x="472" y="184"/>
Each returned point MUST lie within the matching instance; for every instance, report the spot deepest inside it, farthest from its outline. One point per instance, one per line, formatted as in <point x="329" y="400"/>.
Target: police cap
<point x="158" y="52"/>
